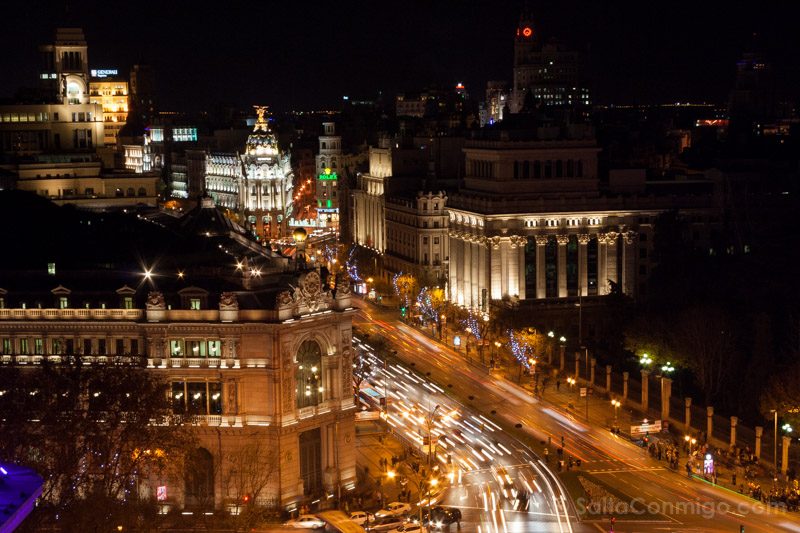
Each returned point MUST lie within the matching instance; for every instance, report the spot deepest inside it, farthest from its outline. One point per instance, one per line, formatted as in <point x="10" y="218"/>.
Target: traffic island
<point x="596" y="500"/>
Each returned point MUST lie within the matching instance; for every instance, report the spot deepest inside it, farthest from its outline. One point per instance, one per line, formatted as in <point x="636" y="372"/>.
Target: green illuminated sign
<point x="327" y="175"/>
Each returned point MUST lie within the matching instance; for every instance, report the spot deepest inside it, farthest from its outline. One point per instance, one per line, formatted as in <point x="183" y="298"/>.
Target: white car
<point x="306" y="521"/>
<point x="361" y="517"/>
<point x="394" y="509"/>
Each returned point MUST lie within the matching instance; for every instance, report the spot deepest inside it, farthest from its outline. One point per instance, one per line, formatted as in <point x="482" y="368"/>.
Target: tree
<point x="782" y="394"/>
<point x="92" y="432"/>
<point x="362" y="369"/>
<point x="249" y="473"/>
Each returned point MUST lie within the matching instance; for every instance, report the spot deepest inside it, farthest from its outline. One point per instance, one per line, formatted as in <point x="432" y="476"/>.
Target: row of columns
<point x="498" y="265"/>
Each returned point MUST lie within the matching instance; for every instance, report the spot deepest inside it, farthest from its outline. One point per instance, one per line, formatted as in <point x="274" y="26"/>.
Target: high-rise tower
<point x="65" y="67"/>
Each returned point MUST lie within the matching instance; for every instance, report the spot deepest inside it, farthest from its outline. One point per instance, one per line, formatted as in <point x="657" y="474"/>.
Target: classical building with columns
<point x="533" y="222"/>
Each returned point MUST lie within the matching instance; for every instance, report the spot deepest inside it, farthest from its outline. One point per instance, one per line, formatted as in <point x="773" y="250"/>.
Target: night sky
<point x="306" y="55"/>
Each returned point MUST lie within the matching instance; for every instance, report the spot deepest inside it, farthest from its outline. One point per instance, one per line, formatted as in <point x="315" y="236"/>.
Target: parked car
<point x="394" y="509"/>
<point x="361" y="517"/>
<point x="306" y="521"/>
<point x="385" y="523"/>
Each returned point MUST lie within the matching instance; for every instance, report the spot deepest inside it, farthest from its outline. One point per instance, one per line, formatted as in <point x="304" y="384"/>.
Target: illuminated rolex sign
<point x="104" y="72"/>
<point x="327" y="175"/>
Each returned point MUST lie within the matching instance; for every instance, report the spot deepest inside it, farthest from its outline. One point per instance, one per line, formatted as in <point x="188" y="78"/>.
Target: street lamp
<point x="532" y="362"/>
<point x="668" y="368"/>
<point x="497" y="346"/>
<point x="616" y="403"/>
<point x="786" y="428"/>
<point x="645" y="360"/>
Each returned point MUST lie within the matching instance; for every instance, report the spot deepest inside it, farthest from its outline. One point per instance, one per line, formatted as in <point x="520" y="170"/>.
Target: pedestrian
<point x="558" y="384"/>
<point x="733" y="478"/>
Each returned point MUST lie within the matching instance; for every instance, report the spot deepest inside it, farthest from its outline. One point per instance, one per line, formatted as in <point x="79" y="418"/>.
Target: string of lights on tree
<point x="471" y="323"/>
<point x="425" y="306"/>
<point x="399" y="291"/>
<point x="352" y="266"/>
<point x="518" y="349"/>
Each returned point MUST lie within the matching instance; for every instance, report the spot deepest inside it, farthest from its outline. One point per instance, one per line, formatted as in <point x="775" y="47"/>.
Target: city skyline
<point x="307" y="56"/>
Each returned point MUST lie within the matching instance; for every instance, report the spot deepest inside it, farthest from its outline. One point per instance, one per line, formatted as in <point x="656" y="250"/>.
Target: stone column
<point x="645" y="391"/>
<point x="625" y="376"/>
<point x="583" y="272"/>
<point x="785" y="454"/>
<point x="592" y="365"/>
<point x="734" y="421"/>
<point x="562" y="265"/>
<point x="602" y="279"/>
<point x="608" y="378"/>
<point x="541" y="284"/>
<point x="611" y="256"/>
<point x="477" y="282"/>
<point x="666" y="394"/>
<point x="759" y="433"/>
<point x="497" y="288"/>
<point x="521" y="270"/>
<point x="482" y="278"/>
<point x="456" y="269"/>
<point x="688" y="415"/>
<point x="577" y="364"/>
<point x="562" y="349"/>
<point x="466" y="270"/>
<point x="504" y="281"/>
<point x="709" y="423"/>
<point x="513" y="266"/>
<point x="629" y="263"/>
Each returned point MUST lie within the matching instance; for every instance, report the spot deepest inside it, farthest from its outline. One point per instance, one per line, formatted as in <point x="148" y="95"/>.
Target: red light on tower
<point x="527" y="31"/>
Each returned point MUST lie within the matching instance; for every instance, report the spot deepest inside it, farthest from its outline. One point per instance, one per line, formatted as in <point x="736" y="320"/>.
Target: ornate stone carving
<point x="563" y="240"/>
<point x="343" y="284"/>
<point x="602" y="238"/>
<point x="583" y="238"/>
<point x="541" y="240"/>
<point x="629" y="236"/>
<point x="228" y="302"/>
<point x="285" y="299"/>
<point x="518" y="240"/>
<point x="155" y="300"/>
<point x="495" y="242"/>
<point x="611" y="238"/>
<point x="287" y="393"/>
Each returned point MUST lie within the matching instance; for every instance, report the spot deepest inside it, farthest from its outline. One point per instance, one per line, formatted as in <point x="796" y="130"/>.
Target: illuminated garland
<point x="471" y="323"/>
<point x="425" y="306"/>
<point x="352" y="266"/>
<point x="402" y="294"/>
<point x="519" y="350"/>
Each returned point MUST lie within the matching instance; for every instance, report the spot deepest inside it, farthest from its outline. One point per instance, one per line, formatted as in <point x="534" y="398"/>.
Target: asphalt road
<point x="655" y="497"/>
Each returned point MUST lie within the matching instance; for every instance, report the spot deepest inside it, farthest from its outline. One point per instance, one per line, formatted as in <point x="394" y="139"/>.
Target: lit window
<point x="51" y="269"/>
<point x="63" y="303"/>
<point x="194" y="304"/>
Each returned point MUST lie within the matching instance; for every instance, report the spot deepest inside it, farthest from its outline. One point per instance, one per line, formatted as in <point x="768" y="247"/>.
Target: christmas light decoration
<point x="518" y="349"/>
<point x="425" y="305"/>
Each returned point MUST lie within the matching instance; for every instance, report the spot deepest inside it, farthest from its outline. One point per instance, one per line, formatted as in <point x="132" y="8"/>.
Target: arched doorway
<point x="199" y="479"/>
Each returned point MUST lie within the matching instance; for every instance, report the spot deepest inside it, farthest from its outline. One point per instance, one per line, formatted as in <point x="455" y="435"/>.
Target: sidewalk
<point x="372" y="485"/>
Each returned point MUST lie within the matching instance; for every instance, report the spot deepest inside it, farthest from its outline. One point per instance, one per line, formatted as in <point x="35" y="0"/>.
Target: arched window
<point x="309" y="374"/>
<point x="142" y="191"/>
<point x="130" y="191"/>
<point x="199" y="478"/>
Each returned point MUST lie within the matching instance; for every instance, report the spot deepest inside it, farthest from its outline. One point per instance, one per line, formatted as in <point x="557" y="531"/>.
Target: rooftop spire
<point x="262" y="122"/>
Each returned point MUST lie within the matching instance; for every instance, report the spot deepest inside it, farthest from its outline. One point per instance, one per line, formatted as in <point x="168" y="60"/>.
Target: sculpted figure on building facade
<point x="343" y="284"/>
<point x="629" y="236"/>
<point x="611" y="237"/>
<point x="228" y="301"/>
<point x="155" y="300"/>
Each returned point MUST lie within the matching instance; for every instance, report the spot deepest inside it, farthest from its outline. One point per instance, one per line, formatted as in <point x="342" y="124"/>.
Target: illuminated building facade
<point x="329" y="165"/>
<point x="532" y="223"/>
<point x="265" y="193"/>
<point x="257" y="363"/>
<point x="417" y="236"/>
<point x="546" y="72"/>
<point x="112" y="95"/>
<point x="223" y="175"/>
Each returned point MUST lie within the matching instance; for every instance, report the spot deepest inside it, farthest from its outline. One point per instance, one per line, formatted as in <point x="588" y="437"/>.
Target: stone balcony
<point x="193" y="362"/>
<point x="71" y="314"/>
